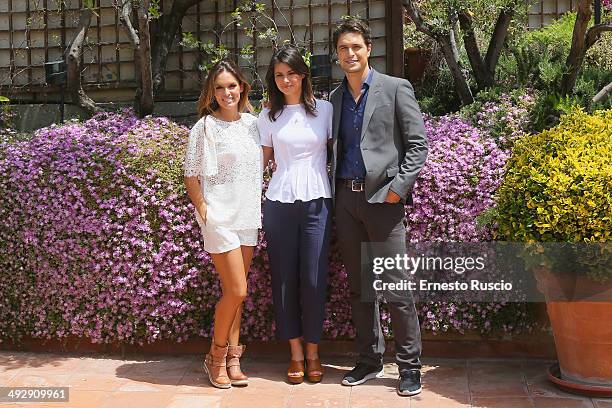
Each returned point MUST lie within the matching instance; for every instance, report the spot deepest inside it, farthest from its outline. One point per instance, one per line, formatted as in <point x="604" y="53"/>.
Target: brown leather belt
<point x="354" y="185"/>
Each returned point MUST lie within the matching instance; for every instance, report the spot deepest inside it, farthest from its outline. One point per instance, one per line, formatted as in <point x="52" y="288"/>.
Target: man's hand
<point x="392" y="197"/>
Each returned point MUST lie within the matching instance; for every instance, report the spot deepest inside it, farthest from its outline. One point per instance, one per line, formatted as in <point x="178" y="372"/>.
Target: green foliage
<point x="416" y="39"/>
<point x="547" y="110"/>
<point x="250" y="16"/>
<point x="550" y="104"/>
<point x="255" y="21"/>
<point x="7" y="134"/>
<point x="349" y="16"/>
<point x="589" y="82"/>
<point x="437" y="94"/>
<point x="558" y="186"/>
<point x="441" y="15"/>
<point x="540" y="54"/>
<point x="211" y="52"/>
<point x="537" y="59"/>
<point x="157" y="154"/>
<point x="155" y="9"/>
<point x="600" y="54"/>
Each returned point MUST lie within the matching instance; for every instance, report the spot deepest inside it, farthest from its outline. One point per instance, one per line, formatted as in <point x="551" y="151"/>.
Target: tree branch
<point x="141" y="42"/>
<point x="449" y="49"/>
<point x="594" y="33"/>
<point x="73" y="65"/>
<point x="447" y="43"/>
<point x="578" y="49"/>
<point x="415" y="16"/>
<point x="125" y="18"/>
<point x="500" y="32"/>
<point x="165" y="34"/>
<point x="482" y="75"/>
<point x="603" y="93"/>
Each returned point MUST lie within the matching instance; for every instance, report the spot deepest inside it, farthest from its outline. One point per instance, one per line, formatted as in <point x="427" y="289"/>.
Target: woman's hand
<point x="272" y="165"/>
<point x="194" y="191"/>
<point x="268" y="158"/>
<point x="203" y="211"/>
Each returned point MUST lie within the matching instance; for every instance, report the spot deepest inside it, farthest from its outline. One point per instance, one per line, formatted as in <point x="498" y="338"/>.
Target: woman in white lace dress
<point x="223" y="176"/>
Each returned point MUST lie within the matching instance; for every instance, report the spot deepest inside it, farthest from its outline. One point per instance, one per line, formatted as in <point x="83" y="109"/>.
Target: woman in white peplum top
<point x="294" y="129"/>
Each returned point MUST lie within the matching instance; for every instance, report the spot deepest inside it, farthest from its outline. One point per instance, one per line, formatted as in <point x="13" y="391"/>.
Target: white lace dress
<point x="227" y="159"/>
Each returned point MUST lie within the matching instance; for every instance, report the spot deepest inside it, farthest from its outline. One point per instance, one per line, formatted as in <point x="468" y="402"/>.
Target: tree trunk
<point x="164" y="37"/>
<point x="484" y="79"/>
<point x="449" y="49"/>
<point x="144" y="94"/>
<point x="143" y="98"/>
<point x="578" y="50"/>
<point x="73" y="65"/>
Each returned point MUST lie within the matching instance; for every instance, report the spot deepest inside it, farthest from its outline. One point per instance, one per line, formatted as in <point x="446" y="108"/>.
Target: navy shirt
<point x="351" y="122"/>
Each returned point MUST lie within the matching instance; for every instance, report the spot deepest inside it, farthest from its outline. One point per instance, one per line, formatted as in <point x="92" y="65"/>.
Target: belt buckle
<point x="358" y="189"/>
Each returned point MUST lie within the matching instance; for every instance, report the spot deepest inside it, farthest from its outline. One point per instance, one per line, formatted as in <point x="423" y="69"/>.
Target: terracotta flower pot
<point x="582" y="330"/>
<point x="415" y="62"/>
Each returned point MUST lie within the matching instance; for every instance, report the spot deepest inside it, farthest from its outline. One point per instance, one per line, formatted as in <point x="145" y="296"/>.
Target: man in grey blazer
<point x="379" y="147"/>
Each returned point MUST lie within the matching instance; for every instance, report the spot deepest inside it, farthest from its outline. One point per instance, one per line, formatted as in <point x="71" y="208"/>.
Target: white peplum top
<point x="300" y="151"/>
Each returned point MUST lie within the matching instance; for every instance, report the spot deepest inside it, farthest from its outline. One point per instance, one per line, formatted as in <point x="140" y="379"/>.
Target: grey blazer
<point x="393" y="141"/>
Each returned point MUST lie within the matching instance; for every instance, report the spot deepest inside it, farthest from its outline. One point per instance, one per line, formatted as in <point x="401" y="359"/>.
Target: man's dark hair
<point x="352" y="25"/>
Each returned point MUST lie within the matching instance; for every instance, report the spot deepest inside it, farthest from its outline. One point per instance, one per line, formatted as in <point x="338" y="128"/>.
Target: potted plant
<point x="558" y="189"/>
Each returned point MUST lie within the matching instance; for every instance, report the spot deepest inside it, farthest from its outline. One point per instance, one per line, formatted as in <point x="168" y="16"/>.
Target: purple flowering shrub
<point x="98" y="239"/>
<point x="504" y="117"/>
<point x="464" y="168"/>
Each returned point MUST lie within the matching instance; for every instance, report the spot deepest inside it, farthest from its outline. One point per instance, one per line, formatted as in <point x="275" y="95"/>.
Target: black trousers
<point x="357" y="222"/>
<point x="298" y="236"/>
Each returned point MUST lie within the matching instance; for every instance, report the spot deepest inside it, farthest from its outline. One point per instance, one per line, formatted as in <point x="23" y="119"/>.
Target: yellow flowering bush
<point x="558" y="182"/>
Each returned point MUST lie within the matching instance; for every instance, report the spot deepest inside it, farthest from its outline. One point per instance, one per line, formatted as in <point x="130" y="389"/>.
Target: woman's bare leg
<point x="231" y="270"/>
<point x="312" y="351"/>
<point x="234" y="334"/>
<point x="297" y="351"/>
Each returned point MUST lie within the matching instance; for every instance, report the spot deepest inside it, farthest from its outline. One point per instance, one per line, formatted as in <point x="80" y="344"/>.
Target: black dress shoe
<point x="409" y="382"/>
<point x="362" y="373"/>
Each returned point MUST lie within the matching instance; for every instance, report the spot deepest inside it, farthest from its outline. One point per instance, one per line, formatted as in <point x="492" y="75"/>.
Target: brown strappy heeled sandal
<point x="314" y="370"/>
<point x="295" y="372"/>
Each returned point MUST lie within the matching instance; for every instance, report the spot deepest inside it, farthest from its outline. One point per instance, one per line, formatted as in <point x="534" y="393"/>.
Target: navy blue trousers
<point x="298" y="236"/>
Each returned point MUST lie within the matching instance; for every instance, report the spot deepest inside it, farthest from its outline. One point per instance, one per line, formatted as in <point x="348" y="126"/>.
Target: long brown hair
<point x="290" y="55"/>
<point x="207" y="103"/>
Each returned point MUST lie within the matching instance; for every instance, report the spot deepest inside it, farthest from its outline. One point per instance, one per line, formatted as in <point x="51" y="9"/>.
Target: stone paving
<point x="149" y="381"/>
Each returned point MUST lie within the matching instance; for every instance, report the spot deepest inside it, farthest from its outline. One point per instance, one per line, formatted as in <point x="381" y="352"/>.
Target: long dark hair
<point x="290" y="55"/>
<point x="207" y="103"/>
